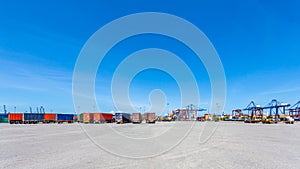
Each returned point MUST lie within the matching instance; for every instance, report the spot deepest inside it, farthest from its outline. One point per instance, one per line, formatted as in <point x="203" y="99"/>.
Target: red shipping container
<point x="102" y="117"/>
<point x="49" y="118"/>
<point x="15" y="118"/>
<point x="106" y="117"/>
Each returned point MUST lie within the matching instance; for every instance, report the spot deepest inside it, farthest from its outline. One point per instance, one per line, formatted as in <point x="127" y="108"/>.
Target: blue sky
<point x="257" y="41"/>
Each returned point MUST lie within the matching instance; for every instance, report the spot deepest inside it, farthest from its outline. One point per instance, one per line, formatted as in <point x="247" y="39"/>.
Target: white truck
<point x="289" y="120"/>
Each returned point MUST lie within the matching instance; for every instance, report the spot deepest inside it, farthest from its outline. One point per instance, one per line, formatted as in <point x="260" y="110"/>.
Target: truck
<point x="68" y="118"/>
<point x="103" y="117"/>
<point x="86" y="118"/>
<point x="33" y="118"/>
<point x="49" y="118"/>
<point x="150" y="117"/>
<point x="136" y="118"/>
<point x="15" y="118"/>
<point x="122" y="118"/>
<point x="289" y="120"/>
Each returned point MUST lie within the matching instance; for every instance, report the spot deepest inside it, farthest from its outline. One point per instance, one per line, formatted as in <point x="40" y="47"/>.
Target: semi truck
<point x="136" y="118"/>
<point x="150" y="118"/>
<point x="122" y="118"/>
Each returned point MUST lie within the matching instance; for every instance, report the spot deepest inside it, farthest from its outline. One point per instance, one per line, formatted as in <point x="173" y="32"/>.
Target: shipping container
<point x="49" y="118"/>
<point x="103" y="117"/>
<point x="15" y="118"/>
<point x="3" y="118"/>
<point x="33" y="117"/>
<point x="150" y="117"/>
<point x="86" y="118"/>
<point x="136" y="118"/>
<point x="68" y="118"/>
<point x="122" y="118"/>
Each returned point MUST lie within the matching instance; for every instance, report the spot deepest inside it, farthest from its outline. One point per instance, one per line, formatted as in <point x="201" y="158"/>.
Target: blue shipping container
<point x="65" y="117"/>
<point x="33" y="117"/>
<point x="3" y="118"/>
<point x="3" y="115"/>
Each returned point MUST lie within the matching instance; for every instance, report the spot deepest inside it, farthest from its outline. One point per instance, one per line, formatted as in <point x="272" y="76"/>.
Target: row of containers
<point x="117" y="118"/>
<point x="33" y="118"/>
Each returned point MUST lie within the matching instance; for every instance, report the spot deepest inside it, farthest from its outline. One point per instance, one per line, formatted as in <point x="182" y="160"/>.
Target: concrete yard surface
<point x="161" y="145"/>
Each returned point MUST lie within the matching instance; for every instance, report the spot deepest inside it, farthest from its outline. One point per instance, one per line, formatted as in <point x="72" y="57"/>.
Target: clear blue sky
<point x="258" y="43"/>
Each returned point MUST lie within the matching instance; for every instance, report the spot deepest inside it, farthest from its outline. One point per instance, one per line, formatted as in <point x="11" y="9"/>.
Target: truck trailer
<point x="150" y="117"/>
<point x="136" y="118"/>
<point x="122" y="118"/>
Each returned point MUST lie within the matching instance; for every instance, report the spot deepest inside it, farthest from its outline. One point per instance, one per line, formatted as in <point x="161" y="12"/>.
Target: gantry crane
<point x="190" y="112"/>
<point x="256" y="110"/>
<point x="294" y="111"/>
<point x="4" y="108"/>
<point x="277" y="106"/>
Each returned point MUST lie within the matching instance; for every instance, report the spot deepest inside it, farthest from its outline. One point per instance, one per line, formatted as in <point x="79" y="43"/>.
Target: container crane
<point x="277" y="106"/>
<point x="192" y="111"/>
<point x="42" y="110"/>
<point x="295" y="110"/>
<point x="255" y="109"/>
<point x="4" y="108"/>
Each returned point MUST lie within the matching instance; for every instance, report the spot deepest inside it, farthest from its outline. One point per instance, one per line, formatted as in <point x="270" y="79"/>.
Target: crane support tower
<point x="275" y="106"/>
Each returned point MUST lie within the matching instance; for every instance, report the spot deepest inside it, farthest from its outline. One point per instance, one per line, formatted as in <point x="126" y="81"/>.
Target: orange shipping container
<point x="49" y="117"/>
<point x="97" y="117"/>
<point x="15" y="118"/>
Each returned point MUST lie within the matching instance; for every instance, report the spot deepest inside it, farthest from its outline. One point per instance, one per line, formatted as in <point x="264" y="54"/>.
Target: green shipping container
<point x="3" y="120"/>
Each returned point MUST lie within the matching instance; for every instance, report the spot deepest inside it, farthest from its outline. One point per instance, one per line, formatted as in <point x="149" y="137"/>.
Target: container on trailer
<point x="69" y="118"/>
<point x="33" y="117"/>
<point x="122" y="118"/>
<point x="107" y="117"/>
<point x="3" y="118"/>
<point x="49" y="118"/>
<point x="87" y="117"/>
<point x="102" y="117"/>
<point x="150" y="117"/>
<point x="15" y="118"/>
<point x="136" y="118"/>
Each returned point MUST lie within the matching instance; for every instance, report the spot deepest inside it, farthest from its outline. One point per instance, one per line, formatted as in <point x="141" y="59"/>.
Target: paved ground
<point x="160" y="145"/>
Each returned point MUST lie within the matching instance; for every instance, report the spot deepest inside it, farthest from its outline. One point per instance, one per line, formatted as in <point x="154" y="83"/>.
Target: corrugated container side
<point x="136" y="117"/>
<point x="50" y="117"/>
<point x="97" y="117"/>
<point x="15" y="118"/>
<point x="106" y="117"/>
<point x="65" y="118"/>
<point x="3" y="118"/>
<point x="150" y="117"/>
<point x="33" y="117"/>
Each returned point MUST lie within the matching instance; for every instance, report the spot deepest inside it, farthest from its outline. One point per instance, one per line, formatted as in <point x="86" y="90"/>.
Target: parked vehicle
<point x="86" y="118"/>
<point x="103" y="117"/>
<point x="49" y="118"/>
<point x="33" y="118"/>
<point x="122" y="118"/>
<point x="67" y="118"/>
<point x="289" y="120"/>
<point x="15" y="118"/>
<point x="150" y="118"/>
<point x="136" y="118"/>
